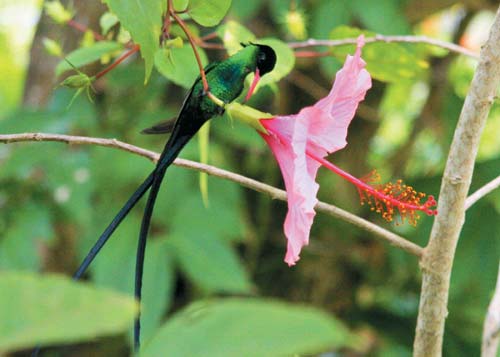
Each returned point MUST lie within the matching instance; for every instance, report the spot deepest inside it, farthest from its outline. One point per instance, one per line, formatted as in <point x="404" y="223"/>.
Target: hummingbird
<point x="226" y="81"/>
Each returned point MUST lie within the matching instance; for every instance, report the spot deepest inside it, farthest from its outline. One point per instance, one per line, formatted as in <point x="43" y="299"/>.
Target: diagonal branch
<point x="483" y="191"/>
<point x="381" y="38"/>
<point x="274" y="192"/>
<point x="439" y="254"/>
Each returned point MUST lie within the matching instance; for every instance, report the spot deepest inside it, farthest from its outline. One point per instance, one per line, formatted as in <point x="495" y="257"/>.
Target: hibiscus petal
<point x="329" y="131"/>
<point x="319" y="129"/>
<point x="299" y="173"/>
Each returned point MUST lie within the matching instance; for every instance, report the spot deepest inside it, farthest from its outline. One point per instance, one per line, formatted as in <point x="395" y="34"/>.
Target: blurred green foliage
<point x="55" y="199"/>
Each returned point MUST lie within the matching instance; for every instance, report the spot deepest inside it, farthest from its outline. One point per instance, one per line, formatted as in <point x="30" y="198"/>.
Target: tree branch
<point x="437" y="260"/>
<point x="483" y="191"/>
<point x="491" y="329"/>
<point x="381" y="38"/>
<point x="275" y="193"/>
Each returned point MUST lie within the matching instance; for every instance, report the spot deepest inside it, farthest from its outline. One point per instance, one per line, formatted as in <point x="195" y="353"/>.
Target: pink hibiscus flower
<point x="301" y="141"/>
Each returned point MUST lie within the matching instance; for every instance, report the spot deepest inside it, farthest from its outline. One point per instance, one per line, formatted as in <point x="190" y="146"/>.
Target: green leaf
<point x="285" y="60"/>
<point x="180" y="5"/>
<point x="143" y="19"/>
<point x="221" y="221"/>
<point x="30" y="228"/>
<point x="327" y="15"/>
<point x="208" y="12"/>
<point x="244" y="9"/>
<point x="387" y="62"/>
<point x="52" y="47"/>
<point x="179" y="64"/>
<point x="115" y="269"/>
<point x="53" y="309"/>
<point x="57" y="12"/>
<point x="369" y="14"/>
<point x="233" y="34"/>
<point x="203" y="144"/>
<point x="210" y="263"/>
<point x="85" y="55"/>
<point x="107" y="21"/>
<point x="248" y="327"/>
<point x="80" y="80"/>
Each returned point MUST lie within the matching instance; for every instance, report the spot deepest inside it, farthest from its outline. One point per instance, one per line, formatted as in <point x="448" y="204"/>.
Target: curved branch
<point x="483" y="191"/>
<point x="274" y="192"/>
<point x="381" y="38"/>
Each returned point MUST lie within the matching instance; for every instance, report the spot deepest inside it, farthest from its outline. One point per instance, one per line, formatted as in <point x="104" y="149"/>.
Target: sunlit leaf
<point x="233" y="34"/>
<point x="387" y="62"/>
<point x="53" y="309"/>
<point x="143" y="19"/>
<point x="57" y="12"/>
<point x="248" y="327"/>
<point x="179" y="64"/>
<point x="85" y="55"/>
<point x="107" y="21"/>
<point x="180" y="5"/>
<point x="52" y="47"/>
<point x="208" y="12"/>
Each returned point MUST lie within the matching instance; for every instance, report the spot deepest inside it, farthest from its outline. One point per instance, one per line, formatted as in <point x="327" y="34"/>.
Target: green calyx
<point x="248" y="115"/>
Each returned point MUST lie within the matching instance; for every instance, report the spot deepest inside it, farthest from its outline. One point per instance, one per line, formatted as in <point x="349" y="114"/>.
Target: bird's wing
<point x="162" y="127"/>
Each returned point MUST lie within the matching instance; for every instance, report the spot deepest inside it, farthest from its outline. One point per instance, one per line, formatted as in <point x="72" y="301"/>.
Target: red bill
<point x="256" y="79"/>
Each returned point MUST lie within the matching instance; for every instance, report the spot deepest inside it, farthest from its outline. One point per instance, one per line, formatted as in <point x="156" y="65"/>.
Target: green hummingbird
<point x="225" y="80"/>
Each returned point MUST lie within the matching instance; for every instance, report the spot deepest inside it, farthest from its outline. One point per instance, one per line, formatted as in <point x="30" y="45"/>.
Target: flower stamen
<point x="386" y="199"/>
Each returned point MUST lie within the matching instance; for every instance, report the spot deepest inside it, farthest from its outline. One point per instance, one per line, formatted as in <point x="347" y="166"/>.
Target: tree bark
<point x="40" y="79"/>
<point x="491" y="329"/>
<point x="437" y="260"/>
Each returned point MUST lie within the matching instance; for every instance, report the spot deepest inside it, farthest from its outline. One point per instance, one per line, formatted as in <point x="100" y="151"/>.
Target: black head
<point x="266" y="59"/>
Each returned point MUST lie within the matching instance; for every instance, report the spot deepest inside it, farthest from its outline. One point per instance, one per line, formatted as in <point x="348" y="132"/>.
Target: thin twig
<point x="210" y="45"/>
<point x="274" y="192"/>
<point x="119" y="60"/>
<point x="165" y="31"/>
<point x="83" y="28"/>
<point x="193" y="46"/>
<point x="381" y="38"/>
<point x="312" y="54"/>
<point x="209" y="36"/>
<point x="307" y="84"/>
<point x="483" y="191"/>
<point x="438" y="256"/>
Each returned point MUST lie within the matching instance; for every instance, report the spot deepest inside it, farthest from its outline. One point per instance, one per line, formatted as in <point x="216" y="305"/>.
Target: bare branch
<point x="274" y="192"/>
<point x="483" y="191"/>
<point x="381" y="38"/>
<point x="491" y="329"/>
<point x="437" y="260"/>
